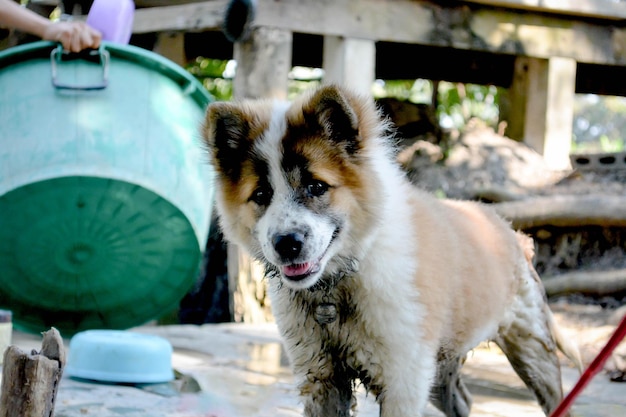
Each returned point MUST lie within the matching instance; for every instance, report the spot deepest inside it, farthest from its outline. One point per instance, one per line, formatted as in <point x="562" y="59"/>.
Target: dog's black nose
<point x="288" y="246"/>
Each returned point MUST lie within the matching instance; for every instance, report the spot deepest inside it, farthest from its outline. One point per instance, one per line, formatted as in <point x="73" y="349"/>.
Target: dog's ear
<point x="336" y="116"/>
<point x="226" y="131"/>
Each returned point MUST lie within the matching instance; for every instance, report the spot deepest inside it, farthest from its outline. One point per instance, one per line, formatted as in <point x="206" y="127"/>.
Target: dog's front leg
<point x="408" y="378"/>
<point x="394" y="406"/>
<point x="327" y="398"/>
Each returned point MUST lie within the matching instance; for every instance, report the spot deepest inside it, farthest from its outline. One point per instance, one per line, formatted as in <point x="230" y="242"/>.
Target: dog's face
<point x="292" y="184"/>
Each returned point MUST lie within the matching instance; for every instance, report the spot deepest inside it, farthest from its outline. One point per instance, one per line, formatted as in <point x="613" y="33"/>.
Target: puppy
<point x="372" y="280"/>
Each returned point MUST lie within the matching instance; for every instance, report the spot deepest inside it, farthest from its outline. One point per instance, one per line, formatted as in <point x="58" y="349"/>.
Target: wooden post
<point x="247" y="279"/>
<point x="513" y="106"/>
<point x="30" y="381"/>
<point x="544" y="90"/>
<point x="263" y="64"/>
<point x="550" y="109"/>
<point x="350" y="62"/>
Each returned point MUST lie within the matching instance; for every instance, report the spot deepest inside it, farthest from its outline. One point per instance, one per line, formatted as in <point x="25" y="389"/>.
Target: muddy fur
<point x="372" y="280"/>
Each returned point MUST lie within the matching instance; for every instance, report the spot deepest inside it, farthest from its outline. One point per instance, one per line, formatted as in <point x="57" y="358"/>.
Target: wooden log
<point x="565" y="210"/>
<point x="30" y="381"/>
<point x="596" y="283"/>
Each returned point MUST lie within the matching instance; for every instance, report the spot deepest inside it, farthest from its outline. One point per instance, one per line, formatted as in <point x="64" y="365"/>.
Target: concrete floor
<point x="239" y="370"/>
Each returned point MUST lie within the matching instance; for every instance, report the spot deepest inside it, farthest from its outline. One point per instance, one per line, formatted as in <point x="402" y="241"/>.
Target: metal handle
<point x="99" y="55"/>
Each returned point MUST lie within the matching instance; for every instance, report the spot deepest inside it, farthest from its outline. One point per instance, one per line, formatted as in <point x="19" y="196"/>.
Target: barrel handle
<point x="99" y="55"/>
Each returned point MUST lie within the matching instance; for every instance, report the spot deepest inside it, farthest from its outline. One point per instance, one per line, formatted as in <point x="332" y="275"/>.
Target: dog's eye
<point x="262" y="196"/>
<point x="316" y="188"/>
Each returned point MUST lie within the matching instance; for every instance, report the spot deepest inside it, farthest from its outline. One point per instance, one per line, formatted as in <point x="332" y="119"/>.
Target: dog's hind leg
<point x="528" y="343"/>
<point x="448" y="392"/>
<point x="536" y="363"/>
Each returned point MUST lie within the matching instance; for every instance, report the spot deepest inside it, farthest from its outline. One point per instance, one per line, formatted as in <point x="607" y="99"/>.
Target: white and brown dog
<point x="372" y="280"/>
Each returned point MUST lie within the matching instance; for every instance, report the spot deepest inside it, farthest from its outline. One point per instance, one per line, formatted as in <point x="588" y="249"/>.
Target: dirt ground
<point x="240" y="370"/>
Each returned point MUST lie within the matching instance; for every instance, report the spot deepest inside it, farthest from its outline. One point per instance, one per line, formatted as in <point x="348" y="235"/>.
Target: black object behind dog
<point x="238" y="18"/>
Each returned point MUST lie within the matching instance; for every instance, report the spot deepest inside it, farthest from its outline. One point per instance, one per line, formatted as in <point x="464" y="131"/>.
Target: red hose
<point x="592" y="369"/>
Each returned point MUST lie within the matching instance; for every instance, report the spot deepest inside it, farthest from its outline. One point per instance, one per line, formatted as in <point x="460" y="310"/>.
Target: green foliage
<point x="296" y="87"/>
<point x="416" y="91"/>
<point x="456" y="103"/>
<point x="210" y="72"/>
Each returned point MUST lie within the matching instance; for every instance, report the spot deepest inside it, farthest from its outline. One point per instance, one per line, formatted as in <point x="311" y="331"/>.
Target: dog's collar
<point x="325" y="313"/>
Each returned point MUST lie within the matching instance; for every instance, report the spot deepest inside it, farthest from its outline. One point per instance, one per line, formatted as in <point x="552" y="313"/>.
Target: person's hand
<point x="74" y="35"/>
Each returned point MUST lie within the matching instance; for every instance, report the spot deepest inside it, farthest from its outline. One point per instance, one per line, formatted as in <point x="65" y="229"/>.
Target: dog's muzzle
<point x="288" y="246"/>
<point x="293" y="256"/>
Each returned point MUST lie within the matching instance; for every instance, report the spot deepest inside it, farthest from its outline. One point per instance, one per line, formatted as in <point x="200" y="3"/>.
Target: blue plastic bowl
<point x="119" y="356"/>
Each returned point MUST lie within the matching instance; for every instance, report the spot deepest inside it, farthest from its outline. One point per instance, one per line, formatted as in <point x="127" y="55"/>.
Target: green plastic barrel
<point x="105" y="192"/>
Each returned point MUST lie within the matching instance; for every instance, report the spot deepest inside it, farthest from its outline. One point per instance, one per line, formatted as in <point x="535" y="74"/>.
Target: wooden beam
<point x="205" y="15"/>
<point x="478" y="27"/>
<point x="597" y="9"/>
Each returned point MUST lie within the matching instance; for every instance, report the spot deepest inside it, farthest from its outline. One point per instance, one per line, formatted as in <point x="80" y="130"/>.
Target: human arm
<point x="74" y="35"/>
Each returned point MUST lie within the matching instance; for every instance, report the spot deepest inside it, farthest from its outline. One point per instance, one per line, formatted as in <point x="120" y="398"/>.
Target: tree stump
<point x="30" y="381"/>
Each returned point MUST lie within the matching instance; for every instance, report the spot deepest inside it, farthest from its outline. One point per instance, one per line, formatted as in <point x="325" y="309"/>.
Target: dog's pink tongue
<point x="297" y="269"/>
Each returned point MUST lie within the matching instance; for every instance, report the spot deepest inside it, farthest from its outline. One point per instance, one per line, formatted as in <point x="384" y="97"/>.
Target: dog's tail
<point x="565" y="345"/>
